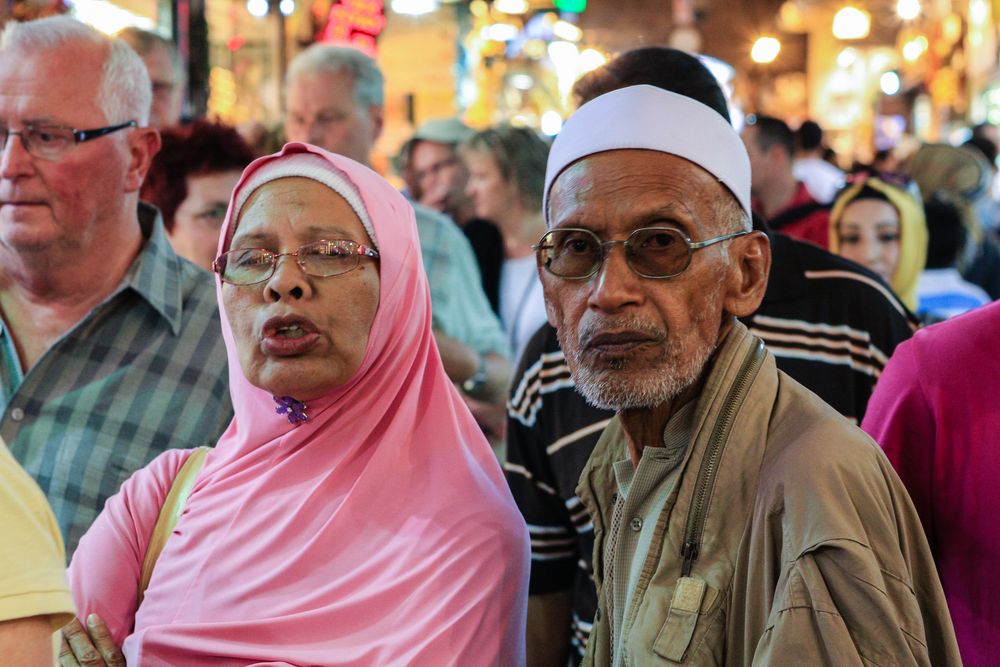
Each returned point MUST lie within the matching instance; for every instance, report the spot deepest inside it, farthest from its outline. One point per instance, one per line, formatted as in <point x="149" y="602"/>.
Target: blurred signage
<point x="575" y="6"/>
<point x="356" y="22"/>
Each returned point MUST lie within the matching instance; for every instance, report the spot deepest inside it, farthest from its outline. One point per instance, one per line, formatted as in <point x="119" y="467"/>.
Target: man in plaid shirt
<point x="110" y="345"/>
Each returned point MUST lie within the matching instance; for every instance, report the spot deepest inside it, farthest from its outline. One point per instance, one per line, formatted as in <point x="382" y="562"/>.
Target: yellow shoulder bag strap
<point x="173" y="505"/>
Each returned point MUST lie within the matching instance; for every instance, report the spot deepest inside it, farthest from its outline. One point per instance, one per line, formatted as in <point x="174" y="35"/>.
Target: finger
<point x="101" y="637"/>
<point x="66" y="657"/>
<point x="80" y="645"/>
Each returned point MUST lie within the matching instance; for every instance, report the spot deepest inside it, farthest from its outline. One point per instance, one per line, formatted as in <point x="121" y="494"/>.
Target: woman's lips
<point x="288" y="336"/>
<point x="279" y="346"/>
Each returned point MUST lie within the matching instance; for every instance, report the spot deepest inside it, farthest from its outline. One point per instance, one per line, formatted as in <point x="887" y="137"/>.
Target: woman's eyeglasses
<point x="249" y="266"/>
<point x="652" y="252"/>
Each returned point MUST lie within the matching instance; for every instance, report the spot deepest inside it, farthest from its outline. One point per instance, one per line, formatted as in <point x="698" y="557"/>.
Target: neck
<point x="643" y="427"/>
<point x="777" y="197"/>
<point x="521" y="231"/>
<point x="42" y="295"/>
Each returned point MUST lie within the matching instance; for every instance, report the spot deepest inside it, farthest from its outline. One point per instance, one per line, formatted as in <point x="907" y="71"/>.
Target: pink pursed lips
<point x="288" y="335"/>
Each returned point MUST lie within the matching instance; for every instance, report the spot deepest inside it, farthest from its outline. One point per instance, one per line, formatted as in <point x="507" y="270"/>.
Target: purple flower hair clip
<point x="293" y="409"/>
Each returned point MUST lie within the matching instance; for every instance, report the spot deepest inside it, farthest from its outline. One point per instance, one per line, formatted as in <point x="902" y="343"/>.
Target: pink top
<point x="936" y="413"/>
<point x="380" y="532"/>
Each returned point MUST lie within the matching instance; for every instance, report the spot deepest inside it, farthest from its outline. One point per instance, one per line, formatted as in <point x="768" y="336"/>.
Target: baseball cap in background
<point x="443" y="131"/>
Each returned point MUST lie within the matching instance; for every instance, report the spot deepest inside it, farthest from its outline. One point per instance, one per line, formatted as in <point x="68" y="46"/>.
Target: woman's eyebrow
<point x="254" y="239"/>
<point x="326" y="230"/>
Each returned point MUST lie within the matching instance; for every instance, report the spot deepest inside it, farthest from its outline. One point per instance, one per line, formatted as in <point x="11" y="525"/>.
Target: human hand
<point x="89" y="647"/>
<point x="492" y="418"/>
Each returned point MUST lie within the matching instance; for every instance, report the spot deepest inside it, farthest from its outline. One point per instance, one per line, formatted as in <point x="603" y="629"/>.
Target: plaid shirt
<point x="143" y="372"/>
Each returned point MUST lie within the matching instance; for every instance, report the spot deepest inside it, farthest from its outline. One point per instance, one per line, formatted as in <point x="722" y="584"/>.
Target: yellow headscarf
<point x="912" y="234"/>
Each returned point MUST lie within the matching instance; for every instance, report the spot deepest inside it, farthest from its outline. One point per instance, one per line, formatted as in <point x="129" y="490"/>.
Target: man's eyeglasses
<point x="50" y="142"/>
<point x="652" y="252"/>
<point x="249" y="266"/>
<point x="434" y="169"/>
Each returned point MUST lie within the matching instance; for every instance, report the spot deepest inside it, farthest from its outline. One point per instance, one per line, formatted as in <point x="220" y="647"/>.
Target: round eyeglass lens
<point x="329" y="258"/>
<point x="571" y="253"/>
<point x="658" y="252"/>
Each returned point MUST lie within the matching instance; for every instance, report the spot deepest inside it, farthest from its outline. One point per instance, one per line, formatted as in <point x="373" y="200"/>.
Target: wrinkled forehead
<point x="638" y="184"/>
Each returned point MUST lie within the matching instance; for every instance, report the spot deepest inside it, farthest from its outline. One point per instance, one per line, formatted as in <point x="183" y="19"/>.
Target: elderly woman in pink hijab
<point x="352" y="513"/>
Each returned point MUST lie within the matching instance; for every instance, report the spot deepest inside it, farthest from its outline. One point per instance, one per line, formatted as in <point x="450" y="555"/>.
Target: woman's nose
<point x="288" y="281"/>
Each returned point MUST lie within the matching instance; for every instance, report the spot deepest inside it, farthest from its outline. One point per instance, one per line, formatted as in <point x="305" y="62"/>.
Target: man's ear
<point x="750" y="264"/>
<point x="143" y="144"/>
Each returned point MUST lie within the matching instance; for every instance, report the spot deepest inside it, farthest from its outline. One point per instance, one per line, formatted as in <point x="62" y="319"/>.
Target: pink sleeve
<point x="900" y="418"/>
<point x="104" y="572"/>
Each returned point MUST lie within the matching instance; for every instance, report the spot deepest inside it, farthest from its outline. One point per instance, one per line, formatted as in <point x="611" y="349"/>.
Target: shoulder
<point x="33" y="579"/>
<point x="145" y="490"/>
<point x="25" y="514"/>
<point x="843" y="280"/>
<point x="810" y="445"/>
<point x="430" y="221"/>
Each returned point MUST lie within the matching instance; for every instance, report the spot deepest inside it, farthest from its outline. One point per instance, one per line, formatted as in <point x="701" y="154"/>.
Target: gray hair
<point x="145" y="42"/>
<point x="125" y="92"/>
<point x="369" y="84"/>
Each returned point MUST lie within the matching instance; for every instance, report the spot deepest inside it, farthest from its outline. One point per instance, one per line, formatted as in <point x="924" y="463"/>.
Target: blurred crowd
<point x="152" y="283"/>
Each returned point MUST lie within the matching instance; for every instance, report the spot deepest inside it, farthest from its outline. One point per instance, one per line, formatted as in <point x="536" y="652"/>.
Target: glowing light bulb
<point x="851" y="23"/>
<point x="765" y="50"/>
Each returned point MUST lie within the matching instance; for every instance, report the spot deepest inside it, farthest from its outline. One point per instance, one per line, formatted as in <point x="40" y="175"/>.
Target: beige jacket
<point x="803" y="548"/>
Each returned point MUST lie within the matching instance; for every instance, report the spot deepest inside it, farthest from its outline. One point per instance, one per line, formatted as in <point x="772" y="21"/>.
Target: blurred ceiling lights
<point x="765" y="50"/>
<point x="908" y="9"/>
<point x="511" y="6"/>
<point x="851" y="23"/>
<point x="414" y="7"/>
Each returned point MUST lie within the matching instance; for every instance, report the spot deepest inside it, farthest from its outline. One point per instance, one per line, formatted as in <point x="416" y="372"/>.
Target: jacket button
<point x="17" y="414"/>
<point x="636" y="524"/>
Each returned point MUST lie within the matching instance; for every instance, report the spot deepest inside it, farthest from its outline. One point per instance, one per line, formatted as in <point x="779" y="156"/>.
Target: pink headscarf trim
<point x="379" y="532"/>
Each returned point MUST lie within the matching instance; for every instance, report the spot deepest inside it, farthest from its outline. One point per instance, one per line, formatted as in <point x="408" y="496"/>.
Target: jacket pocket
<point x="692" y="598"/>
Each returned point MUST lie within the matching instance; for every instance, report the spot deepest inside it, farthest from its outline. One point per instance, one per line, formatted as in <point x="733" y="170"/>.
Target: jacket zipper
<point x="709" y="466"/>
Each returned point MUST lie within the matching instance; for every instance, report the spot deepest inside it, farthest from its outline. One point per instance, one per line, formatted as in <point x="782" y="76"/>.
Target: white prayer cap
<point x="651" y="118"/>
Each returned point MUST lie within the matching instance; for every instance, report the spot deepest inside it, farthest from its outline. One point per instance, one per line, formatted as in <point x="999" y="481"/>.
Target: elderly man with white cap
<point x="738" y="519"/>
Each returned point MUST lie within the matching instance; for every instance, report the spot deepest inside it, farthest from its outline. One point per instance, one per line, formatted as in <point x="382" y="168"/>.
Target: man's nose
<point x="616" y="285"/>
<point x="14" y="158"/>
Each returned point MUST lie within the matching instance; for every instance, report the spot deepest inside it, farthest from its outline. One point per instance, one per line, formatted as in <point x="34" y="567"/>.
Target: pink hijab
<point x="379" y="532"/>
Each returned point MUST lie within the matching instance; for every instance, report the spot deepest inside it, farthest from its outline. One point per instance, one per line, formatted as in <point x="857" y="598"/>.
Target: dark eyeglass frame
<point x="542" y="247"/>
<point x="436" y="168"/>
<point x="219" y="263"/>
<point x="78" y="136"/>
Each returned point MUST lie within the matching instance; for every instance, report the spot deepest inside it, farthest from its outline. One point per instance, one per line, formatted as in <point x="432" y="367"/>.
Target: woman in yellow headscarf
<point x="882" y="227"/>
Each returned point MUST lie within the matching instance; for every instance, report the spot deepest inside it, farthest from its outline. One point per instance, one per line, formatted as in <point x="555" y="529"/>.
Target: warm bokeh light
<point x="511" y="6"/>
<point x="847" y="57"/>
<point x="908" y="9"/>
<point x="551" y="123"/>
<point x="591" y="59"/>
<point x="414" y="7"/>
<point x="765" y="50"/>
<point x="913" y="49"/>
<point x="566" y="30"/>
<point x="851" y="23"/>
<point x="889" y="83"/>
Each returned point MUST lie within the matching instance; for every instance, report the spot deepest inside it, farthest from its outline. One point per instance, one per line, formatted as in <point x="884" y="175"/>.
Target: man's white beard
<point x="626" y="389"/>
